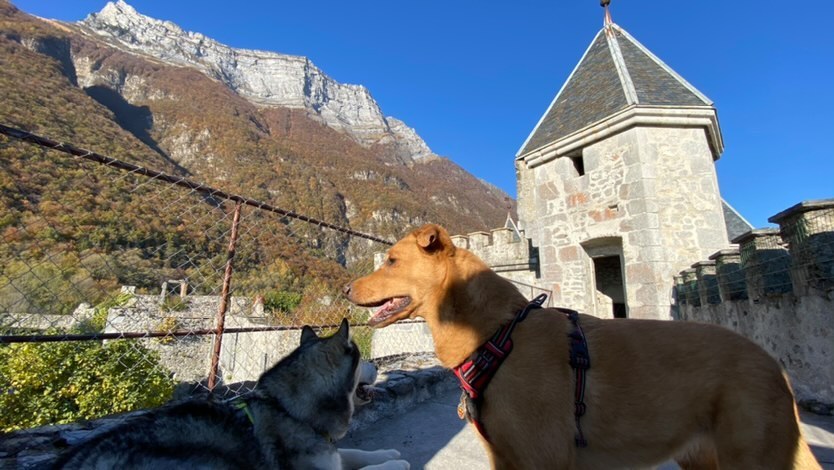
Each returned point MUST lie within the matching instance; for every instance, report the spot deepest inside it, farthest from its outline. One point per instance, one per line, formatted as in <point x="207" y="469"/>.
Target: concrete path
<point x="431" y="436"/>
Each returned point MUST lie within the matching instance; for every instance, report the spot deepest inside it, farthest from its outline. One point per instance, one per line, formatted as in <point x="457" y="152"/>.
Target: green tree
<point x="54" y="383"/>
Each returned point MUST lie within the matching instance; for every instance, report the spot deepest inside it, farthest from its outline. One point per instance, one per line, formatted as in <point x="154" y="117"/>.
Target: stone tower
<point x="616" y="183"/>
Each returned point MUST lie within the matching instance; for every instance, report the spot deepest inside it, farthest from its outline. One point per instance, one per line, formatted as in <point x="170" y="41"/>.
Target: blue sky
<point x="473" y="78"/>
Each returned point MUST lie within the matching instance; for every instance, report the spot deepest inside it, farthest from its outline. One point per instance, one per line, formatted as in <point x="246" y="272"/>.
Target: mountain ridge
<point x="83" y="230"/>
<point x="193" y="124"/>
<point x="265" y="78"/>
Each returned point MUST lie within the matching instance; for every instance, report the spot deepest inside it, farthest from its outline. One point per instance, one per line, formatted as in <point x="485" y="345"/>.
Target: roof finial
<point x="604" y="4"/>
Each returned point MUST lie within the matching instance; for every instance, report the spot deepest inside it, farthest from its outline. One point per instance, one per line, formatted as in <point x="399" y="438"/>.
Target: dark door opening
<point x="609" y="281"/>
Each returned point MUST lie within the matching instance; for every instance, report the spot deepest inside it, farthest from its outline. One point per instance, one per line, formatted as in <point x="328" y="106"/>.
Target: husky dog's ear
<point x="433" y="238"/>
<point x="344" y="330"/>
<point x="307" y="334"/>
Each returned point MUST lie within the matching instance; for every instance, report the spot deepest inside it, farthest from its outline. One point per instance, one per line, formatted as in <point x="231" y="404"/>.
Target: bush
<point x="281" y="301"/>
<point x="54" y="383"/>
<point x="174" y="303"/>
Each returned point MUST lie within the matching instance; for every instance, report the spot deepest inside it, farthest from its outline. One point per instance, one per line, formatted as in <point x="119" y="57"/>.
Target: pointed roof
<point x="615" y="73"/>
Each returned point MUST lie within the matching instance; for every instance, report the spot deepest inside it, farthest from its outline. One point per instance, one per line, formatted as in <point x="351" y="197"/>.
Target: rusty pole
<point x="220" y="322"/>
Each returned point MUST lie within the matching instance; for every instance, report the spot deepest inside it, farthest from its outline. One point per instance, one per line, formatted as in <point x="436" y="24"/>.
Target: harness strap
<point x="580" y="361"/>
<point x="475" y="374"/>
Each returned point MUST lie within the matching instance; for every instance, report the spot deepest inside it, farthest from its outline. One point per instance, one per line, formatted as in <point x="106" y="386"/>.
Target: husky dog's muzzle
<point x="366" y="376"/>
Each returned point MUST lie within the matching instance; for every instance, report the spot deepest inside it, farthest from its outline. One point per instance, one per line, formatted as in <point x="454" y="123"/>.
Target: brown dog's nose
<point x="346" y="289"/>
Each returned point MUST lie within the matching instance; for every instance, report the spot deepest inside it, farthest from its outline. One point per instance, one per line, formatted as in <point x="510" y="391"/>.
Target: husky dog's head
<point x="322" y="381"/>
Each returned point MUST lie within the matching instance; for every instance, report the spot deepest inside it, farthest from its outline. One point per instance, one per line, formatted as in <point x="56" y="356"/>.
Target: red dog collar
<point x="475" y="374"/>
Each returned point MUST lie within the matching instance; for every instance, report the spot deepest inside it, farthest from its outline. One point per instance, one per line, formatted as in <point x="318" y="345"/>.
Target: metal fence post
<point x="220" y="322"/>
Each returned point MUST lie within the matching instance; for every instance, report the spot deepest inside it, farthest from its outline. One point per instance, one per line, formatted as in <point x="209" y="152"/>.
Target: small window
<point x="578" y="163"/>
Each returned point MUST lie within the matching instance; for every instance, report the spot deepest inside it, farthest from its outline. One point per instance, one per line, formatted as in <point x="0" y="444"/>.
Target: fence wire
<point x="797" y="258"/>
<point x="121" y="286"/>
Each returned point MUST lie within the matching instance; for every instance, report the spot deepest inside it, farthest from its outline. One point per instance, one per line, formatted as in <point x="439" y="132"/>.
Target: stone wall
<point x="647" y="195"/>
<point x="776" y="288"/>
<point x="505" y="251"/>
<point x="243" y="356"/>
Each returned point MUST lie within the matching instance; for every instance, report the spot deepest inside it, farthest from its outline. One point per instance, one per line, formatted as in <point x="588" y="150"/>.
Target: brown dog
<point x="656" y="390"/>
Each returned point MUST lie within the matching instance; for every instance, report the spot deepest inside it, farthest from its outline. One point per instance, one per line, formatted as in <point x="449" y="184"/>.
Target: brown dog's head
<point x="410" y="280"/>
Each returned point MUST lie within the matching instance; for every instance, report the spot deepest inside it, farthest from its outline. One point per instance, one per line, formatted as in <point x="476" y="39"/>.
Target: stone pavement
<point x="431" y="436"/>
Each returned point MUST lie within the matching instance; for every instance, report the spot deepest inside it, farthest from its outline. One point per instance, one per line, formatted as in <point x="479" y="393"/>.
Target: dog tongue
<point x="387" y="309"/>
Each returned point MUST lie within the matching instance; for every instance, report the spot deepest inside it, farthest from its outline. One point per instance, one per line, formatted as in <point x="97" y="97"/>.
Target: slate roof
<point x="736" y="224"/>
<point x="616" y="72"/>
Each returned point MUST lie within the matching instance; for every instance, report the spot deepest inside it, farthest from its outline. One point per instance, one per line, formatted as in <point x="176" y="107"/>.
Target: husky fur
<point x="297" y="409"/>
<point x="656" y="390"/>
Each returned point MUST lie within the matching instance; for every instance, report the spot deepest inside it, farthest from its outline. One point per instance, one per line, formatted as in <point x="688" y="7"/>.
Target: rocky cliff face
<point x="186" y="104"/>
<point x="264" y="78"/>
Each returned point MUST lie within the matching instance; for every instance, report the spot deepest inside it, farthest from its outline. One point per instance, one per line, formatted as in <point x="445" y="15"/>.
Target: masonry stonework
<point x="776" y="288"/>
<point x="649" y="195"/>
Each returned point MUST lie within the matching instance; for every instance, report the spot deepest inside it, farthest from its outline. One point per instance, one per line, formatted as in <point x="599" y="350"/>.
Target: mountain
<point x="268" y="126"/>
<point x="263" y="78"/>
<point x="188" y="97"/>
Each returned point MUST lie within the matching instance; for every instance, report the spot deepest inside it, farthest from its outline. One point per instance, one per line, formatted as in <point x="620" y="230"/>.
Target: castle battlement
<point x="776" y="286"/>
<point x="796" y="258"/>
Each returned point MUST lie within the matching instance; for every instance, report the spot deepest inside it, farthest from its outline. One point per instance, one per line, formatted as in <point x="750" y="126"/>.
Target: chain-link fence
<point x="121" y="286"/>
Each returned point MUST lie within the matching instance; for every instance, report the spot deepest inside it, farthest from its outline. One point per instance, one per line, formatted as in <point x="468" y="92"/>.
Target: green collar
<point x="243" y="405"/>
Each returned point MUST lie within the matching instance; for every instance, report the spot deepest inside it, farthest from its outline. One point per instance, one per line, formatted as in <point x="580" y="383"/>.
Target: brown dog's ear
<point x="433" y="238"/>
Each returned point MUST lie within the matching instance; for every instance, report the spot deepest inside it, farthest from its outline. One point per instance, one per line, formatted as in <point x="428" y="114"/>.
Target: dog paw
<point x="390" y="465"/>
<point x="397" y="465"/>
<point x="388" y="454"/>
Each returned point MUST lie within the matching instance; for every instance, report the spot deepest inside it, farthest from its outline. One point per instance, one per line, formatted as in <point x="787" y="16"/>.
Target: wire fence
<point x="777" y="289"/>
<point x="121" y="286"/>
<point x="796" y="258"/>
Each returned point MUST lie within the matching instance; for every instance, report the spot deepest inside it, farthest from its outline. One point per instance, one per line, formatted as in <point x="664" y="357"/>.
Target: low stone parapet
<point x="778" y="290"/>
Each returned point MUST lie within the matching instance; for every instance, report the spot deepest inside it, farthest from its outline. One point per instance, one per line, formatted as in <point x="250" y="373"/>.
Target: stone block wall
<point x="776" y="288"/>
<point x="243" y="356"/>
<point x="505" y="251"/>
<point x="647" y="194"/>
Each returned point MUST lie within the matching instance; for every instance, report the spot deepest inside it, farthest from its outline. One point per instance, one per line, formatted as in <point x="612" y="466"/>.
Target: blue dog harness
<point x="475" y="374"/>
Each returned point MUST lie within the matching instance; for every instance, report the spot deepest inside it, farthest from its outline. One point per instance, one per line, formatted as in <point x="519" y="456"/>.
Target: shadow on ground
<point x="429" y="436"/>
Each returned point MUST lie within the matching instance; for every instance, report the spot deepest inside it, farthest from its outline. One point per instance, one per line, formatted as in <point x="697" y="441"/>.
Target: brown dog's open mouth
<point x="388" y="309"/>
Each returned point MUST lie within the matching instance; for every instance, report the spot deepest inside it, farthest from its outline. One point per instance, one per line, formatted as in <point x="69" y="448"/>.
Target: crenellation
<point x="503" y="236"/>
<point x="690" y="283"/>
<point x="731" y="280"/>
<point x="506" y="251"/>
<point x="478" y="240"/>
<point x="808" y="230"/>
<point x="774" y="288"/>
<point x="707" y="279"/>
<point x="766" y="263"/>
<point x="460" y="241"/>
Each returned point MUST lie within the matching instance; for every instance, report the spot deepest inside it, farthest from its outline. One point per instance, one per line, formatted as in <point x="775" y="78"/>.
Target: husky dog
<point x="297" y="410"/>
